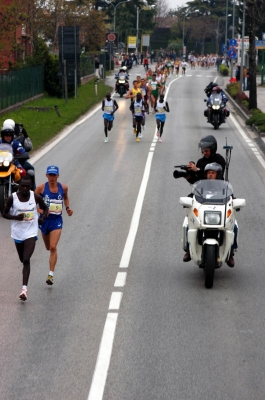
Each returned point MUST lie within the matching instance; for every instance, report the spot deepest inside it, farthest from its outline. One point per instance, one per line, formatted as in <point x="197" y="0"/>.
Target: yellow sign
<point x="131" y="42"/>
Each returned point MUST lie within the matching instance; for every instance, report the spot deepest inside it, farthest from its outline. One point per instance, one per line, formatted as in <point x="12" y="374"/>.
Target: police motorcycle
<point x="216" y="111"/>
<point x="210" y="226"/>
<point x="10" y="174"/>
<point x="122" y="85"/>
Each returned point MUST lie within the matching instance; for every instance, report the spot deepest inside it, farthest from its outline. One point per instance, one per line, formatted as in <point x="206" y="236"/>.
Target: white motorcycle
<point x="210" y="225"/>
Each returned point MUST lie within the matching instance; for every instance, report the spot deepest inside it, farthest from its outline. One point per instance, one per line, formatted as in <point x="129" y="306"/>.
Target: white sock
<point x="24" y="287"/>
<point x="51" y="273"/>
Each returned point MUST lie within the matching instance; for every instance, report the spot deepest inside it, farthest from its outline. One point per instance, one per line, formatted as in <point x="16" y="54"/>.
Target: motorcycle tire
<point x="2" y="198"/>
<point x="121" y="94"/>
<point x="209" y="266"/>
<point x="215" y="121"/>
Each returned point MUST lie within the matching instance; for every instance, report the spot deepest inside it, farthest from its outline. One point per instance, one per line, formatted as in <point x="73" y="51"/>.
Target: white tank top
<point x="108" y="107"/>
<point x="22" y="230"/>
<point x="138" y="108"/>
<point x="160" y="107"/>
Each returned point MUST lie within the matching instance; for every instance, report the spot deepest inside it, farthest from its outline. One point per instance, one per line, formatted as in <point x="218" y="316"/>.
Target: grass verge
<point x="44" y="125"/>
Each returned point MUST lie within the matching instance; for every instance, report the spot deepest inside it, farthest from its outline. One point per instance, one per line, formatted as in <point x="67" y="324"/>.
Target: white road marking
<point x="248" y="141"/>
<point x="120" y="279"/>
<point x="115" y="300"/>
<point x="103" y="360"/>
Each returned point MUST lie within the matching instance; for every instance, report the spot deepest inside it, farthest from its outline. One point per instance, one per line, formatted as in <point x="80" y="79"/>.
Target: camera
<point x="184" y="173"/>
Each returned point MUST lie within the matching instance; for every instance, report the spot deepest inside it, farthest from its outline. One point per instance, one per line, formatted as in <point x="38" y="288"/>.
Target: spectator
<point x="97" y="68"/>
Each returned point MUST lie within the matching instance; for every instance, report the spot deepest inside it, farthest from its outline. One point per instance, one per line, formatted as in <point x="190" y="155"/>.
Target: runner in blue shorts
<point x="54" y="194"/>
<point x="161" y="107"/>
<point x="109" y="107"/>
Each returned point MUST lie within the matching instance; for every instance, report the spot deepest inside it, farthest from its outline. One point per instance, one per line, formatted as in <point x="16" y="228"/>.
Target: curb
<point x="242" y="113"/>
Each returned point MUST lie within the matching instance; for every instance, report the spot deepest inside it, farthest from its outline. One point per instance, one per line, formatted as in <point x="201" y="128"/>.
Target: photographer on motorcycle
<point x="20" y="154"/>
<point x="217" y="90"/>
<point x="208" y="146"/>
<point x="122" y="74"/>
<point x="20" y="134"/>
<point x="215" y="171"/>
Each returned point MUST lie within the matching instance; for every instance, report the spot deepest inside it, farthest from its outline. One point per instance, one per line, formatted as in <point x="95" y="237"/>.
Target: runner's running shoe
<point x="49" y="280"/>
<point x="137" y="140"/>
<point x="106" y="140"/>
<point x="160" y="140"/>
<point x="140" y="135"/>
<point x="23" y="295"/>
<point x="157" y="134"/>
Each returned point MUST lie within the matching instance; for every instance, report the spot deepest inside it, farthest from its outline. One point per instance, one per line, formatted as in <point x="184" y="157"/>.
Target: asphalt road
<point x="163" y="336"/>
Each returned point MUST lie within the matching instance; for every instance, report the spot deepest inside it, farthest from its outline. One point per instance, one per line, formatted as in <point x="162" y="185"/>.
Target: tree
<point x="255" y="10"/>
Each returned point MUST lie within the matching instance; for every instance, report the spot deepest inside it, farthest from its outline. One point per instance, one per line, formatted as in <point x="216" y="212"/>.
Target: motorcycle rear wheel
<point x="209" y="266"/>
<point x="2" y="197"/>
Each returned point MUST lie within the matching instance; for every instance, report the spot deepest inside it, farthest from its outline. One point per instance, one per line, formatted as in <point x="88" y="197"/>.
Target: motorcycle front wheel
<point x="2" y="197"/>
<point x="215" y="121"/>
<point x="209" y="266"/>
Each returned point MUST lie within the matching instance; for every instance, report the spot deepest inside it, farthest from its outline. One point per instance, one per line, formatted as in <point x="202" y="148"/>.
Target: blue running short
<point x="108" y="117"/>
<point x="161" y="117"/>
<point x="50" y="225"/>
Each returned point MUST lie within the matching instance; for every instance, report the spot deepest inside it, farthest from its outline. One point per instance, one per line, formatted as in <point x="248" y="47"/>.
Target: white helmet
<point x="9" y="122"/>
<point x="125" y="68"/>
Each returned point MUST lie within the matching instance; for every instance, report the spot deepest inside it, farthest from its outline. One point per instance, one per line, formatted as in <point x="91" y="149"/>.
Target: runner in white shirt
<point x="21" y="208"/>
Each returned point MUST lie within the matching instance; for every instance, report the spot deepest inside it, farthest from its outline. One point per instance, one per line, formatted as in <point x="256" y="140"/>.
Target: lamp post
<point x="242" y="50"/>
<point x="138" y="10"/>
<point x="114" y="7"/>
<point x="217" y="33"/>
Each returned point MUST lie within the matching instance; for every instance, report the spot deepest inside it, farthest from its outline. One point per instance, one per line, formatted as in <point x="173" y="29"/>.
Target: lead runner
<point x="54" y="194"/>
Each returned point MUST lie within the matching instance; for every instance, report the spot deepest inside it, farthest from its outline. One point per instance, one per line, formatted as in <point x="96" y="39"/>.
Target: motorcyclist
<point x="217" y="90"/>
<point x="208" y="146"/>
<point x="7" y="136"/>
<point x="214" y="171"/>
<point x="122" y="74"/>
<point x="20" y="134"/>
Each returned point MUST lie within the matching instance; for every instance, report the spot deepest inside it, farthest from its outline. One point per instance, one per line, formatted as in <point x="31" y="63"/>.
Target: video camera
<point x="184" y="173"/>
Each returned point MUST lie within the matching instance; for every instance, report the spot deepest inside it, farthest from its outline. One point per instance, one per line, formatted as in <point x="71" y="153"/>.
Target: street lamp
<point x="217" y="33"/>
<point x="114" y="7"/>
<point x="137" y="23"/>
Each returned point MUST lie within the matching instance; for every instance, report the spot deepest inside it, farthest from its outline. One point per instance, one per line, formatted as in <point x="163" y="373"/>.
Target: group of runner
<point x="146" y="95"/>
<point x="32" y="210"/>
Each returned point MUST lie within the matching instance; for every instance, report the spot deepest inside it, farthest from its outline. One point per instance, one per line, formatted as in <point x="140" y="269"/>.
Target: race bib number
<point x="108" y="108"/>
<point x="161" y="110"/>
<point x="138" y="110"/>
<point x="56" y="208"/>
<point x="143" y="92"/>
<point x="28" y="215"/>
<point x="153" y="86"/>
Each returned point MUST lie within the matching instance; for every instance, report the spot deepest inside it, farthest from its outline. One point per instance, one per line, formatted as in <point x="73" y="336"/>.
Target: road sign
<point x="260" y="44"/>
<point x="224" y="48"/>
<point x="232" y="53"/>
<point x="263" y="35"/>
<point x="232" y="42"/>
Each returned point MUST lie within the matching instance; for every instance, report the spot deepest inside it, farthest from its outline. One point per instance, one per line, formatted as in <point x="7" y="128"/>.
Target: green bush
<point x="224" y="70"/>
<point x="233" y="88"/>
<point x="257" y="118"/>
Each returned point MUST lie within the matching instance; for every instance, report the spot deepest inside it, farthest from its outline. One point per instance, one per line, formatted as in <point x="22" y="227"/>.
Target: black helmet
<point x="7" y="130"/>
<point x="208" y="142"/>
<point x="214" y="167"/>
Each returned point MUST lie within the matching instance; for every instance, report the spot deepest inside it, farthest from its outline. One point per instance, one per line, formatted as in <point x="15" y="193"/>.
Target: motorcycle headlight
<point x="6" y="163"/>
<point x="212" y="218"/>
<point x="216" y="107"/>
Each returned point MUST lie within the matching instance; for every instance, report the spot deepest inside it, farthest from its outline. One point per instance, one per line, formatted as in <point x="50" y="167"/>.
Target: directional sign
<point x="232" y="42"/>
<point x="260" y="44"/>
<point x="224" y="48"/>
<point x="232" y="53"/>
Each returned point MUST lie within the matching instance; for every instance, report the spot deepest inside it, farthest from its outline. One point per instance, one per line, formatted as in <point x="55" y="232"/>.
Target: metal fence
<point x="17" y="86"/>
<point x="86" y="65"/>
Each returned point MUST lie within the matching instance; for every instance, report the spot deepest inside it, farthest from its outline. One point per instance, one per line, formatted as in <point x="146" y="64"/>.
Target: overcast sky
<point x="176" y="3"/>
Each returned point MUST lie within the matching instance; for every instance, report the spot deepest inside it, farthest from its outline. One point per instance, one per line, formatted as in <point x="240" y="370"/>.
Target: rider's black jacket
<point x="201" y="164"/>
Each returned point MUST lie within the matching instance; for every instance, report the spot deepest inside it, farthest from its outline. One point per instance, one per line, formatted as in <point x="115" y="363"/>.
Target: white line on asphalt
<point x="120" y="279"/>
<point x="103" y="360"/>
<point x="115" y="300"/>
<point x="248" y="141"/>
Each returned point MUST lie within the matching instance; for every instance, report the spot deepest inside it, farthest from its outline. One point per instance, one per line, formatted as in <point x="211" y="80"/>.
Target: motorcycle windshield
<point x="216" y="99"/>
<point x="209" y="191"/>
<point x="6" y="148"/>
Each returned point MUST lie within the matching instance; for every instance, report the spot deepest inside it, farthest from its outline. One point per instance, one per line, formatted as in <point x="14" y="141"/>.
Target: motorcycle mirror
<point x="185" y="201"/>
<point x="238" y="203"/>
